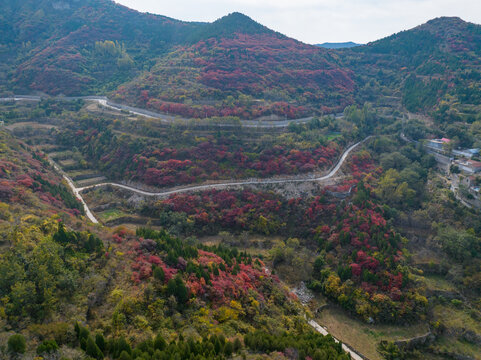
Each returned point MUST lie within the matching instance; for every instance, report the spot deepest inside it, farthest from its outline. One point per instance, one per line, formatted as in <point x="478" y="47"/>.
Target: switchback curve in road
<point x="75" y="190"/>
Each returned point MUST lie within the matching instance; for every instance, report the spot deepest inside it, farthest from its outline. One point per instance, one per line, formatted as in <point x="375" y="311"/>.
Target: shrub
<point x="159" y="343"/>
<point x="47" y="346"/>
<point x="17" y="344"/>
<point x="456" y="303"/>
<point x="124" y="355"/>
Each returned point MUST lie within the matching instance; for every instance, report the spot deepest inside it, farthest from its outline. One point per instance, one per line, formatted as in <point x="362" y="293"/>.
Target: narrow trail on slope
<point x="231" y="184"/>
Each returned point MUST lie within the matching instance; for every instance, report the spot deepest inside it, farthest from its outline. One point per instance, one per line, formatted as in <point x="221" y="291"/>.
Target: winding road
<point x="333" y="172"/>
<point x="169" y="119"/>
<point x="77" y="191"/>
<point x="165" y="118"/>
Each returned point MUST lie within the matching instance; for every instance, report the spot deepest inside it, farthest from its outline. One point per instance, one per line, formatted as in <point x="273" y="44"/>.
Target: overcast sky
<point x="317" y="21"/>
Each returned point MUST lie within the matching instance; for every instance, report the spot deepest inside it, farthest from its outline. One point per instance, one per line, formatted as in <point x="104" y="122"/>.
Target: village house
<point x="468" y="167"/>
<point x="466" y="153"/>
<point x="438" y="144"/>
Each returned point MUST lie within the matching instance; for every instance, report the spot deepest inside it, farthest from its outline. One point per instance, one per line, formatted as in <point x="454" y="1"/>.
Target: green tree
<point x="47" y="346"/>
<point x="100" y="341"/>
<point x="93" y="350"/>
<point x="390" y="351"/>
<point x="159" y="274"/>
<point x="159" y="343"/>
<point x="124" y="355"/>
<point x="177" y="288"/>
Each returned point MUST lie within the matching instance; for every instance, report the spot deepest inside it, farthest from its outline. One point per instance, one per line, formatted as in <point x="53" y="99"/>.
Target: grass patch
<point x="454" y="317"/>
<point x="437" y="282"/>
<point x="61" y="155"/>
<point x="452" y="345"/>
<point x="67" y="162"/>
<point x="333" y="136"/>
<point x="91" y="181"/>
<point x="111" y="214"/>
<point x="82" y="172"/>
<point x="365" y="337"/>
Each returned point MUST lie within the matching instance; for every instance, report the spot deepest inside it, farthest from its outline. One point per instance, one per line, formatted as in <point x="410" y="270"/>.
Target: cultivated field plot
<point x="111" y="214"/>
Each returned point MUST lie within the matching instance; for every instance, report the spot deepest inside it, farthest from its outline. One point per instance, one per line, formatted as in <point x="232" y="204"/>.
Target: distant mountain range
<point x="341" y="45"/>
<point x="233" y="66"/>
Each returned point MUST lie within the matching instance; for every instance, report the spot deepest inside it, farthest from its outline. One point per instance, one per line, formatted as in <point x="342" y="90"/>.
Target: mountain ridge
<point x="101" y="48"/>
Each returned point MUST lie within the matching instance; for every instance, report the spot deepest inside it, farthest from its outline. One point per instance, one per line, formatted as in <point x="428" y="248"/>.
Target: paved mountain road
<point x="77" y="191"/>
<point x="165" y="118"/>
<point x="232" y="184"/>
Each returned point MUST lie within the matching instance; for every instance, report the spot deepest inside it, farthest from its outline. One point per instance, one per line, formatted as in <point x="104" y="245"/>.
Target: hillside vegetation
<point x="276" y="240"/>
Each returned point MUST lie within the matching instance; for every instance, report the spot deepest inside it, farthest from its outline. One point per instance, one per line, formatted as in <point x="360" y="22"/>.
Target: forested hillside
<point x="280" y="191"/>
<point x="72" y="290"/>
<point x="434" y="66"/>
<point x="231" y="67"/>
<point x="80" y="47"/>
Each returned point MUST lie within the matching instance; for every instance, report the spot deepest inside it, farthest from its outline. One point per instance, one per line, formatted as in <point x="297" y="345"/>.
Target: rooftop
<point x="470" y="163"/>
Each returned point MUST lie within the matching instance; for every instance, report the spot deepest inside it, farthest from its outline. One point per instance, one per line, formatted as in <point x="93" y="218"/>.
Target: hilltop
<point x="229" y="26"/>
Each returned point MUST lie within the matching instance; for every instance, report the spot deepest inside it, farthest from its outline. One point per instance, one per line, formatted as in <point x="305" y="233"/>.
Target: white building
<point x="467" y="153"/>
<point x="468" y="166"/>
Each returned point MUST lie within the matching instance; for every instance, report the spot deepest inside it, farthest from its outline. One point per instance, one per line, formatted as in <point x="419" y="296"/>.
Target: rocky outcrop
<point x="303" y="293"/>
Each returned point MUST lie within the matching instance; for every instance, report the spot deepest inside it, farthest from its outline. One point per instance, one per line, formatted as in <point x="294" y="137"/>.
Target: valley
<point x="192" y="190"/>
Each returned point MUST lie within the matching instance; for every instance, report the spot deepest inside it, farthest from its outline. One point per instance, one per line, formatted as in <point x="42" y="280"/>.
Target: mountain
<point x="341" y="45"/>
<point x="241" y="68"/>
<point x="231" y="67"/>
<point x="429" y="65"/>
<point x="97" y="46"/>
<point x="80" y="47"/>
